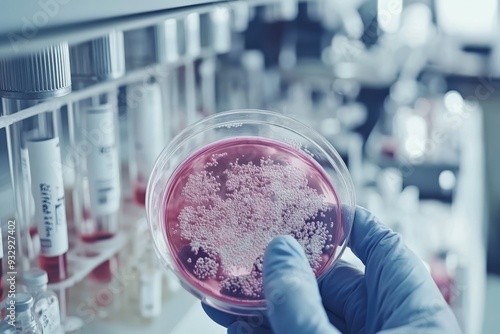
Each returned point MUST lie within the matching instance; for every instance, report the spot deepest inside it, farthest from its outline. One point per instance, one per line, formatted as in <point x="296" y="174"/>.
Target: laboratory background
<point x="406" y="91"/>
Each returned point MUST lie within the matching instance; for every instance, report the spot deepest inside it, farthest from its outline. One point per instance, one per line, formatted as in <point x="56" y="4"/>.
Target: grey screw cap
<point x="37" y="76"/>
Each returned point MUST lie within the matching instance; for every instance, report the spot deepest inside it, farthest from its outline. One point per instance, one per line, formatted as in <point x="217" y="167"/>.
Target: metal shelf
<point x="77" y="21"/>
<point x="27" y="25"/>
<point x="108" y="86"/>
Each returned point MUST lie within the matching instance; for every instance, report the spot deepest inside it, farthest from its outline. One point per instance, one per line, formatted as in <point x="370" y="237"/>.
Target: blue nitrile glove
<point x="396" y="294"/>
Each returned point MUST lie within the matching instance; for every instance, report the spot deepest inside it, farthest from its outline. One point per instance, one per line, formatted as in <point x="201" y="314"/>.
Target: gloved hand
<point x="396" y="294"/>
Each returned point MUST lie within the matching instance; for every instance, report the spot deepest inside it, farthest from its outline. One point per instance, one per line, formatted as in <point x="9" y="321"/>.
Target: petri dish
<point x="227" y="185"/>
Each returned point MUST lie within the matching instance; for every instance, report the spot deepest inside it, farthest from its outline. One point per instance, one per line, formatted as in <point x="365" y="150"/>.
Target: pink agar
<point x="228" y="200"/>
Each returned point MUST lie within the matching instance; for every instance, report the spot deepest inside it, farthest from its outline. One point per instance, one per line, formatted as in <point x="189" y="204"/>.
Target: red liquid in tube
<point x="103" y="273"/>
<point x="55" y="266"/>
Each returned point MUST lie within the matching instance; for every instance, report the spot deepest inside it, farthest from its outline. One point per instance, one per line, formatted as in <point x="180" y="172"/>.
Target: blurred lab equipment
<point x="91" y="98"/>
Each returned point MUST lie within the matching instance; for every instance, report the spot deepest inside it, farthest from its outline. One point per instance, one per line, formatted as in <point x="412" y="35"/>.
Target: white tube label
<point x="103" y="164"/>
<point x="48" y="194"/>
<point x="148" y="126"/>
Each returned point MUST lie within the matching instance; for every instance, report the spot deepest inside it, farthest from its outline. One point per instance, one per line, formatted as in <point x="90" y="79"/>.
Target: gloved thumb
<point x="292" y="295"/>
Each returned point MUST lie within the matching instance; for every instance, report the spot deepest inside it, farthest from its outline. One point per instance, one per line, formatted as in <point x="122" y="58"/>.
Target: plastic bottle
<point x="46" y="303"/>
<point x="26" y="321"/>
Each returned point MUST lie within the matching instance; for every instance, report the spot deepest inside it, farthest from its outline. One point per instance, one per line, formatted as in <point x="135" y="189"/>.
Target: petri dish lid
<point x="227" y="185"/>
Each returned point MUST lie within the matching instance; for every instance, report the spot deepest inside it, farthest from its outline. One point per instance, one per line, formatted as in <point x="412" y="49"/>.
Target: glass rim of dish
<point x="234" y="119"/>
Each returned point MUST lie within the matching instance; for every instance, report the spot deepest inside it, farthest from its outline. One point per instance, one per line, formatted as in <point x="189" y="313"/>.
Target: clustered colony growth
<point x="230" y="218"/>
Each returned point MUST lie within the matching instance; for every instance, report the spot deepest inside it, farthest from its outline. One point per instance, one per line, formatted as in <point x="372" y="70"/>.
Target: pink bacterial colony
<point x="230" y="199"/>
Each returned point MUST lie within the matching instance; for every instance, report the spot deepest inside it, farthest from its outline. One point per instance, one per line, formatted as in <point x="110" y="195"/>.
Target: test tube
<point x="193" y="50"/>
<point x="24" y="82"/>
<point x="48" y="192"/>
<point x="97" y="60"/>
<point x="220" y="19"/>
<point x="219" y="41"/>
<point x="103" y="173"/>
<point x="180" y="85"/>
<point x="148" y="131"/>
<point x="93" y="61"/>
<point x="170" y="45"/>
<point x="253" y="65"/>
<point x="168" y="41"/>
<point x="149" y="125"/>
<point x="98" y="190"/>
<point x="207" y="78"/>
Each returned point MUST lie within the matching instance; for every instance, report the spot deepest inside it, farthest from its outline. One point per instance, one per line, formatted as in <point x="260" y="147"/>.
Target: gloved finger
<point x="399" y="288"/>
<point x="381" y="250"/>
<point x="222" y="318"/>
<point x="243" y="327"/>
<point x="344" y="294"/>
<point x="292" y="294"/>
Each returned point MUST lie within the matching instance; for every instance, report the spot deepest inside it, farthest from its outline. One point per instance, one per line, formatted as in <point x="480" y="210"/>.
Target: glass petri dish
<point x="227" y="185"/>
